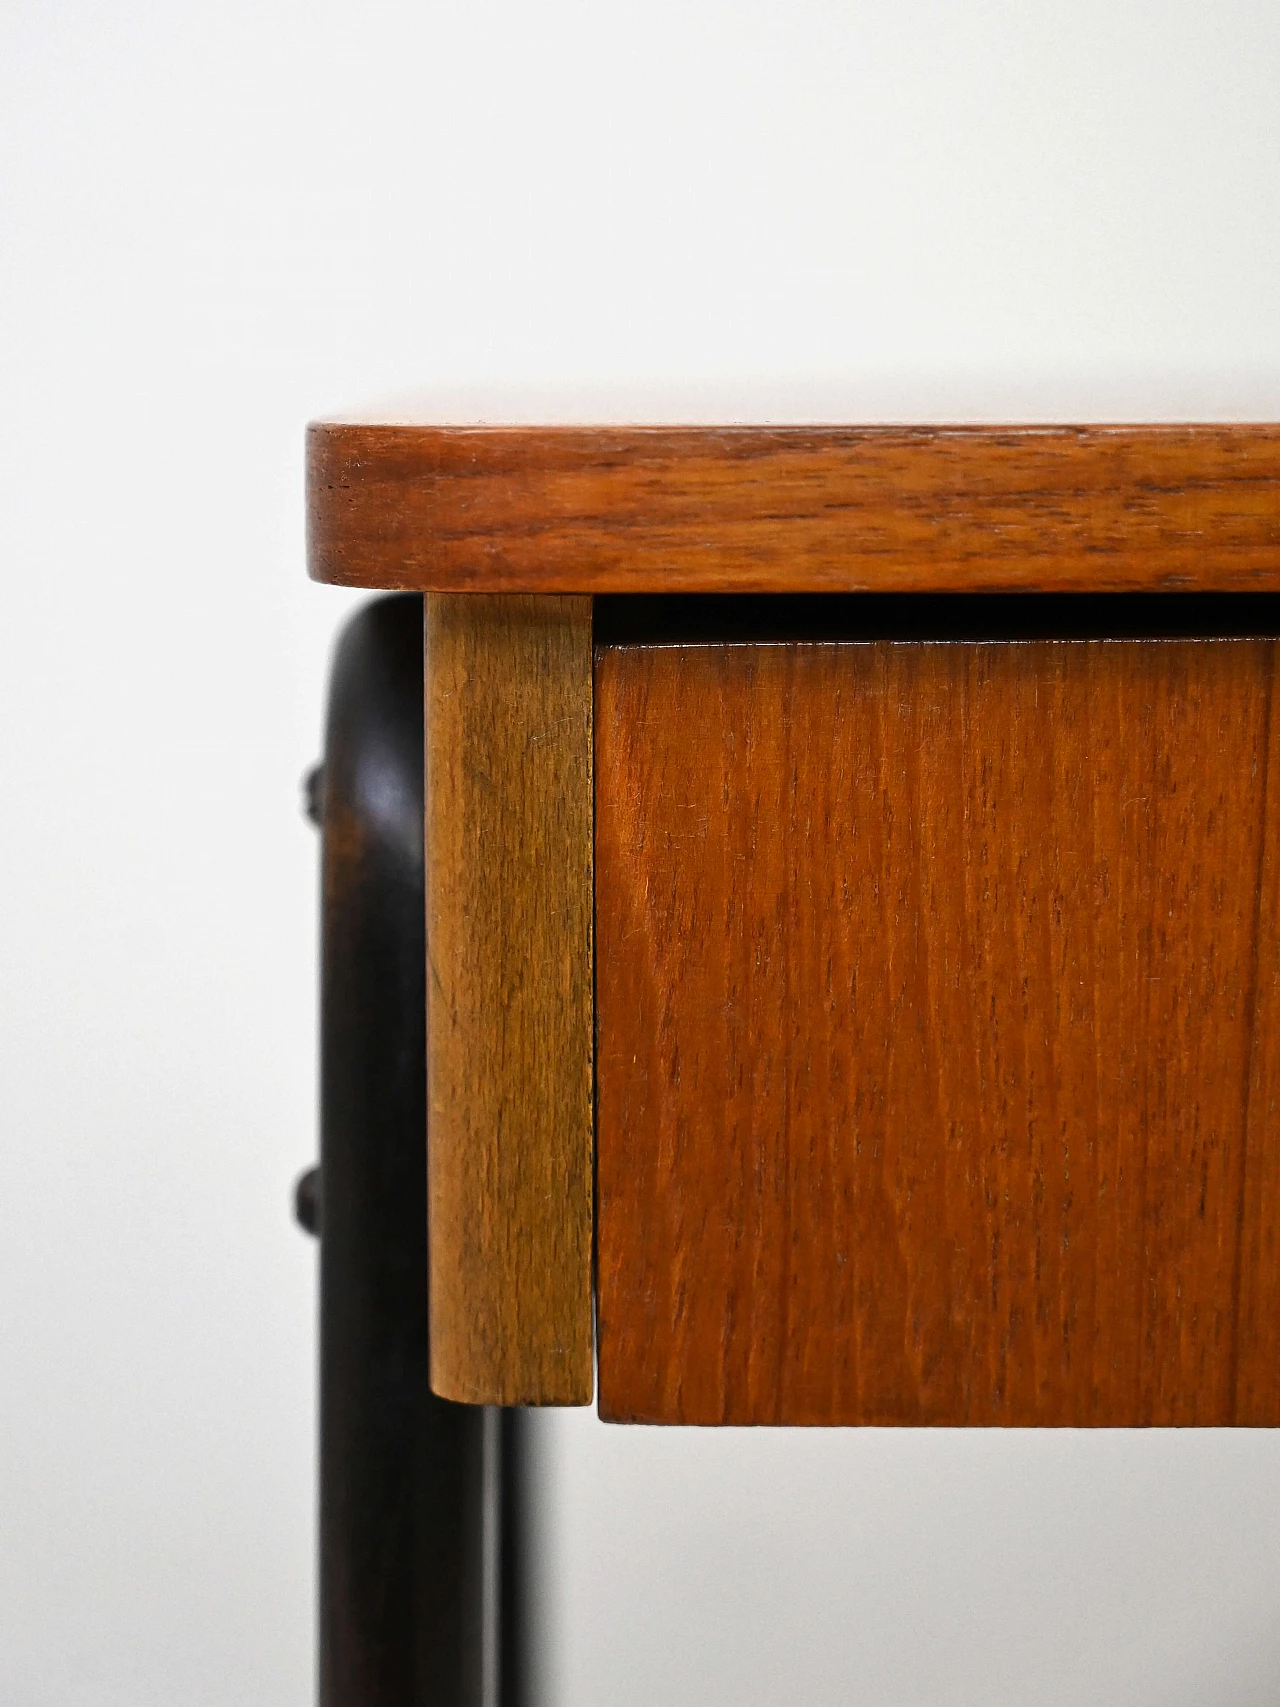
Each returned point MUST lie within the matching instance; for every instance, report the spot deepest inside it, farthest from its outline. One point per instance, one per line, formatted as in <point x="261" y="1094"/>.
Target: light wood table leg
<point x="509" y="1001"/>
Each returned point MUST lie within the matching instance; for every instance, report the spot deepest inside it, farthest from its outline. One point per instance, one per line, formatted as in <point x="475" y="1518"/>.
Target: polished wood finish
<point x="794" y="509"/>
<point x="509" y="997"/>
<point x="938" y="1007"/>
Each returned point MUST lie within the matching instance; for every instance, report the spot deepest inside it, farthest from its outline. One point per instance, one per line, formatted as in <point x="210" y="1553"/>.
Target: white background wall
<point x="217" y="221"/>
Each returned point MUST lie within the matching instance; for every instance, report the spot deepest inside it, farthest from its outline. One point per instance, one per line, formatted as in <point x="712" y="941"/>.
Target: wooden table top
<point x="792" y="509"/>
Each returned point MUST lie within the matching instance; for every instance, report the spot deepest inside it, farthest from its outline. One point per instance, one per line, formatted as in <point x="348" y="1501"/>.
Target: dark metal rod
<point x="412" y="1504"/>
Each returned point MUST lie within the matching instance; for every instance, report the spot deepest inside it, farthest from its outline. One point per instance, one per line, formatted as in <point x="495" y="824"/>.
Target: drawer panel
<point x="938" y="992"/>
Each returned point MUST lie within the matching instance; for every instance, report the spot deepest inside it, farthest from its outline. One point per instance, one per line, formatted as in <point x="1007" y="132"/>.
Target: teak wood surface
<point x="509" y="998"/>
<point x="794" y="509"/>
<point x="938" y="1033"/>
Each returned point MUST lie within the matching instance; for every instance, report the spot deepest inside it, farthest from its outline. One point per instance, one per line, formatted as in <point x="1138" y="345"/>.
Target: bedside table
<point x="852" y="891"/>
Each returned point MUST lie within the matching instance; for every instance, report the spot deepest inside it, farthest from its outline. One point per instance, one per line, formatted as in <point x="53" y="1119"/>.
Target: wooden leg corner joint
<point x="509" y="1001"/>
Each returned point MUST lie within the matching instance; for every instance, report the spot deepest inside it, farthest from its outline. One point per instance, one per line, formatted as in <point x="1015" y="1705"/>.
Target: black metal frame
<point x="421" y="1536"/>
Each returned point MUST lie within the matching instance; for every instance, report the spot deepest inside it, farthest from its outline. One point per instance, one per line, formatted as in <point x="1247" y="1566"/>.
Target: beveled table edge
<point x="787" y="509"/>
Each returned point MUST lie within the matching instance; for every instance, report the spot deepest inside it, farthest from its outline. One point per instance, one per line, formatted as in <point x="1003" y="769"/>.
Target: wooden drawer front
<point x="938" y="996"/>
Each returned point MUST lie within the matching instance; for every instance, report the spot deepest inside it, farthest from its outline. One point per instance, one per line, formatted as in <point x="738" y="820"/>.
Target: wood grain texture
<point x="938" y="1007"/>
<point x="509" y="998"/>
<point x="795" y="509"/>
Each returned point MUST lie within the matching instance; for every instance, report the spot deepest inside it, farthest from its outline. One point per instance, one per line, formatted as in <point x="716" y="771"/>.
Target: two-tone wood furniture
<point x="853" y="913"/>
